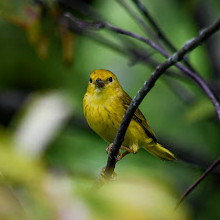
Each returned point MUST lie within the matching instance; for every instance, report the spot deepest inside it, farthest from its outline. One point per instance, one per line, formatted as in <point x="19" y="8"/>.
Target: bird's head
<point x="102" y="82"/>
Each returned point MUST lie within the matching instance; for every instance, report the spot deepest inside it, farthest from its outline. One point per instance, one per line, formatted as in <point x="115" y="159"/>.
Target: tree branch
<point x="148" y="85"/>
<point x="196" y="183"/>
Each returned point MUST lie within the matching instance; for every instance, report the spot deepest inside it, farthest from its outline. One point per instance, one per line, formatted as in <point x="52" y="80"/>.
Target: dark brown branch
<point x="196" y="183"/>
<point x="148" y="85"/>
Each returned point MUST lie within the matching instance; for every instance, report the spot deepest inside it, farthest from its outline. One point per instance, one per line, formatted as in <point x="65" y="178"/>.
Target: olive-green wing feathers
<point x="138" y="117"/>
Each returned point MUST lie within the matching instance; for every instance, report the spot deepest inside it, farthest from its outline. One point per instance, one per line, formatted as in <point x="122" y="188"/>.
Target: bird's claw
<point x="109" y="149"/>
<point x="118" y="158"/>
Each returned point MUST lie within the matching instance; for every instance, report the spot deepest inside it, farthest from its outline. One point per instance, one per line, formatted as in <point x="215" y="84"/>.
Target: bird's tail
<point x="159" y="151"/>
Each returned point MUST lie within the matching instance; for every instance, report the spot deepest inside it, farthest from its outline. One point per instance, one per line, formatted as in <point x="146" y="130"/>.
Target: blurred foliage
<point x="40" y="23"/>
<point x="203" y="109"/>
<point x="40" y="56"/>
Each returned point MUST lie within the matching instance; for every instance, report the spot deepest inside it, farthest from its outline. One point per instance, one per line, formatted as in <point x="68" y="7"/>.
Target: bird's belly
<point x="105" y="121"/>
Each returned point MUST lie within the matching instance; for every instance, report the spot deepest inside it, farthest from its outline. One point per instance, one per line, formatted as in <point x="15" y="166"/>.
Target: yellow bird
<point x="104" y="105"/>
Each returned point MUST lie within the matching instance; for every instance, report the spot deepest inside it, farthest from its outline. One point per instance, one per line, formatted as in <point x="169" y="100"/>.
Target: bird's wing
<point x="138" y="117"/>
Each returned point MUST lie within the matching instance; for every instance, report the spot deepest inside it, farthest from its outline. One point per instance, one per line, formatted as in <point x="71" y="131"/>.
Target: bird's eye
<point x="90" y="80"/>
<point x="110" y="79"/>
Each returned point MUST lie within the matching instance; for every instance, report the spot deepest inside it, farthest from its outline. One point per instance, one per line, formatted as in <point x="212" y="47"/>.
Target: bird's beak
<point x="99" y="83"/>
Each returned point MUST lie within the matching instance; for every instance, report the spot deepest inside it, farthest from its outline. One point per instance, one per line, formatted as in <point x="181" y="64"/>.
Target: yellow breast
<point x="101" y="117"/>
<point x="105" y="116"/>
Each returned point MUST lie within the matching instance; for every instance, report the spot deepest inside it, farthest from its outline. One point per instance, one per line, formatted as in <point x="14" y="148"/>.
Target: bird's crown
<point x="101" y="78"/>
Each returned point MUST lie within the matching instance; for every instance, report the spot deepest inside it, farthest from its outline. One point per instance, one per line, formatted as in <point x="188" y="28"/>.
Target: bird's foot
<point x="120" y="154"/>
<point x="132" y="150"/>
<point x="109" y="149"/>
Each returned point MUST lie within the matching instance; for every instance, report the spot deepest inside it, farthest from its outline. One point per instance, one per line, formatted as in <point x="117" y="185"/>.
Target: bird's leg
<point x="132" y="150"/>
<point x="149" y="140"/>
<point x="109" y="149"/>
<point x="120" y="156"/>
<point x="128" y="150"/>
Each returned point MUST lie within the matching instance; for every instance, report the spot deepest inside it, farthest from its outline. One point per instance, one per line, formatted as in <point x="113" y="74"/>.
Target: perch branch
<point x="148" y="85"/>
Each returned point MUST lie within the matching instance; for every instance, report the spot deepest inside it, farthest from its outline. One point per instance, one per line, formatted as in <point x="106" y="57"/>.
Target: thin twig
<point x="142" y="23"/>
<point x="154" y="25"/>
<point x="134" y="53"/>
<point x="196" y="183"/>
<point x="159" y="31"/>
<point x="148" y="85"/>
<point x="212" y="51"/>
<point x="13" y="193"/>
